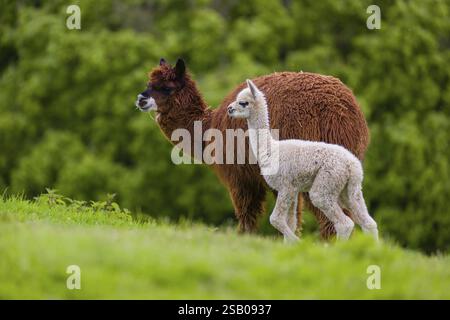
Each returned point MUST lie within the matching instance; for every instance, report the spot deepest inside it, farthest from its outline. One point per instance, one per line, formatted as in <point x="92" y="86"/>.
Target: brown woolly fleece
<point x="305" y="106"/>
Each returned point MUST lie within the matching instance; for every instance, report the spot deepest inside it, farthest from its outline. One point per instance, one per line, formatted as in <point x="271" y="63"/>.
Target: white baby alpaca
<point x="329" y="173"/>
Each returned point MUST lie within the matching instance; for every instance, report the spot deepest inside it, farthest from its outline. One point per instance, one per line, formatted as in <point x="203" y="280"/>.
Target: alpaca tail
<point x="354" y="183"/>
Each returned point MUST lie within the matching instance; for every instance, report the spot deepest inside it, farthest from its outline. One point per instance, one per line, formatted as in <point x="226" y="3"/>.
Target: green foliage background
<point x="67" y="119"/>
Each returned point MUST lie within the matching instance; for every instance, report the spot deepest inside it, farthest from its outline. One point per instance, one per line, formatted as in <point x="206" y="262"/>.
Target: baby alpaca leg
<point x="278" y="218"/>
<point x="361" y="216"/>
<point x="324" y="195"/>
<point x="292" y="216"/>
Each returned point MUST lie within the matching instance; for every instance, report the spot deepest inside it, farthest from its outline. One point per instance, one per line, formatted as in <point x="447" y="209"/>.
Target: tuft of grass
<point x="121" y="257"/>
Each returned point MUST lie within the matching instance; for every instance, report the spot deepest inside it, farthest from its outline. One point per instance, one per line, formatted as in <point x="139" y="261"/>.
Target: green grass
<point x="122" y="258"/>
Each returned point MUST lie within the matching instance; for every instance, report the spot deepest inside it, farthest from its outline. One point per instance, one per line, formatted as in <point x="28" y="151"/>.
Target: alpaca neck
<point x="186" y="112"/>
<point x="261" y="140"/>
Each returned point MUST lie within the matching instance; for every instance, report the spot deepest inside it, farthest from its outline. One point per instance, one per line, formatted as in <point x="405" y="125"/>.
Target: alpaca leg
<point x="248" y="202"/>
<point x="342" y="223"/>
<point x="324" y="195"/>
<point x="361" y="216"/>
<point x="278" y="218"/>
<point x="298" y="212"/>
<point x="326" y="227"/>
<point x="292" y="216"/>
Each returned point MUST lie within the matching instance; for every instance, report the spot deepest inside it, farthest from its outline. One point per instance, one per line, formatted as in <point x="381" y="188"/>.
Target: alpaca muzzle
<point x="236" y="111"/>
<point x="145" y="104"/>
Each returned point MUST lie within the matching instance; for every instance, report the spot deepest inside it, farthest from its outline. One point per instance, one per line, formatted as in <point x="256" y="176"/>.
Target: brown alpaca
<point x="301" y="105"/>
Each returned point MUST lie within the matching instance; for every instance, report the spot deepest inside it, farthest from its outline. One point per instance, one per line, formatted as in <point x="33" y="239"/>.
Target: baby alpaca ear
<point x="162" y="61"/>
<point x="252" y="88"/>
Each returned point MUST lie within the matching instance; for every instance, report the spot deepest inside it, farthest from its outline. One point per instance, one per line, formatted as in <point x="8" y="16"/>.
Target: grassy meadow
<point x="121" y="256"/>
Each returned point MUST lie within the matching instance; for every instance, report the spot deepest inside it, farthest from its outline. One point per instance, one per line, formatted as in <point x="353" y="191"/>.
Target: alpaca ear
<point x="254" y="90"/>
<point x="180" y="68"/>
<point x="162" y="61"/>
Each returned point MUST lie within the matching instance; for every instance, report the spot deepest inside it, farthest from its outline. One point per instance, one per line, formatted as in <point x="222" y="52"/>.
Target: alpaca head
<point x="247" y="102"/>
<point x="164" y="84"/>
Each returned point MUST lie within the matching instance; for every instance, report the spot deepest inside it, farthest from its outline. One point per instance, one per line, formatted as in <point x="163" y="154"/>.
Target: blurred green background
<point x="67" y="116"/>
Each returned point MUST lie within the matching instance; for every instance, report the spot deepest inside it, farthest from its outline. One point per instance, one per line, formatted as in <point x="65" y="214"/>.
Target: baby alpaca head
<point x="246" y="101"/>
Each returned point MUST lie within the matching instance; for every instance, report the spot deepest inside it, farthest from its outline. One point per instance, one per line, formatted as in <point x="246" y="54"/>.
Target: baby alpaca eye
<point x="243" y="104"/>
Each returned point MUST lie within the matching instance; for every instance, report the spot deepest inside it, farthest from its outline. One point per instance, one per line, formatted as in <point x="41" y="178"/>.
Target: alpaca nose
<point x="141" y="100"/>
<point x="230" y="110"/>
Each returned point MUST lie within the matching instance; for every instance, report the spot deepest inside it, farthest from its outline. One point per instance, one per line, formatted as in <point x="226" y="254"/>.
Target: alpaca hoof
<point x="342" y="237"/>
<point x="373" y="232"/>
<point x="343" y="231"/>
<point x="291" y="240"/>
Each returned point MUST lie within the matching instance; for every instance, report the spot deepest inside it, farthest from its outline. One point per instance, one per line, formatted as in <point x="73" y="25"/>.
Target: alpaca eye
<point x="165" y="90"/>
<point x="243" y="104"/>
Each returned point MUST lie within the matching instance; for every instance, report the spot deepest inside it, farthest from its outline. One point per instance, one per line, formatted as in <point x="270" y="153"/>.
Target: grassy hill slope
<point x="120" y="257"/>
